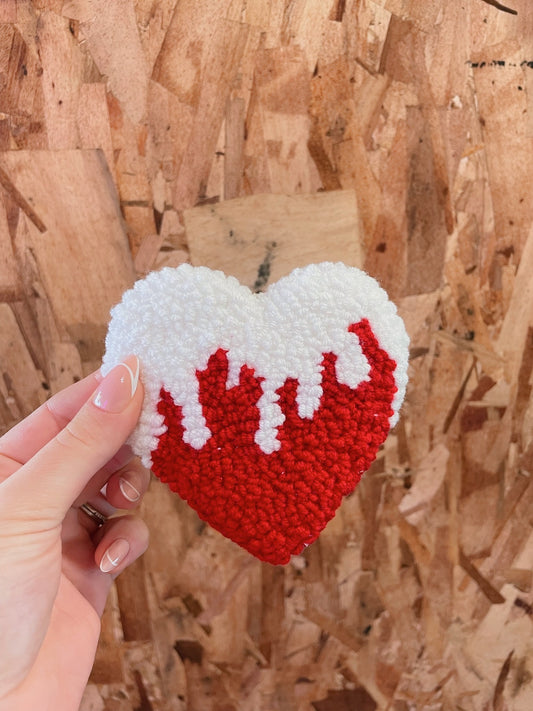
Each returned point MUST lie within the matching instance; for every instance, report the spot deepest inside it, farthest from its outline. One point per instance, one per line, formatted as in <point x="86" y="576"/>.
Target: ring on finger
<point x="96" y="516"/>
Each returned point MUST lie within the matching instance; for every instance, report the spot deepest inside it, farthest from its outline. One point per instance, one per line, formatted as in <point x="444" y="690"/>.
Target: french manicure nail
<point x="119" y="386"/>
<point x="114" y="555"/>
<point x="128" y="490"/>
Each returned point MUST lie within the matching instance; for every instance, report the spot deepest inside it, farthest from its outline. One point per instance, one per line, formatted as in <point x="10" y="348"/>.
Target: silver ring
<point x="96" y="516"/>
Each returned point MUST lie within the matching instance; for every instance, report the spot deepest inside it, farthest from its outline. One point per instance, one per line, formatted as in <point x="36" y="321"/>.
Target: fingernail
<point x="114" y="555"/>
<point x="128" y="490"/>
<point x="119" y="386"/>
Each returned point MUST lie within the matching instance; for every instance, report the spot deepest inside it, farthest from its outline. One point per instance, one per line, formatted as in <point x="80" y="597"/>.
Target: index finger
<point x="30" y="435"/>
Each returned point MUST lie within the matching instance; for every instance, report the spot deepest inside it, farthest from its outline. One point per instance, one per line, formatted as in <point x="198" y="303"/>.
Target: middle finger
<point x="126" y="487"/>
<point x="98" y="481"/>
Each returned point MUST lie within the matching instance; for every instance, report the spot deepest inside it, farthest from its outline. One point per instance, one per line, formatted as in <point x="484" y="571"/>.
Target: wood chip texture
<point x="256" y="136"/>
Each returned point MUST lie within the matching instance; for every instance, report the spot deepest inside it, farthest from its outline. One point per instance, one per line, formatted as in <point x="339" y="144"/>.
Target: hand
<point x="52" y="555"/>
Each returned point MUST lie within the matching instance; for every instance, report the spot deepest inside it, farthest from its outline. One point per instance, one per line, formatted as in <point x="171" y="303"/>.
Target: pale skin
<point x="52" y="555"/>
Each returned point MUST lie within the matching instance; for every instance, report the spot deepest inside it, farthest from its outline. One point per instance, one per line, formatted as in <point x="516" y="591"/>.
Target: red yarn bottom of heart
<point x="274" y="504"/>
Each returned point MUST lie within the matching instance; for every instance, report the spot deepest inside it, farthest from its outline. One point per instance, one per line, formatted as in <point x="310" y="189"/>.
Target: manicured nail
<point x="128" y="490"/>
<point x="119" y="386"/>
<point x="114" y="555"/>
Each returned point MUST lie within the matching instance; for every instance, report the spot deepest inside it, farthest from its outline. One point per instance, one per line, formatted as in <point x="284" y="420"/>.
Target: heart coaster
<point x="262" y="410"/>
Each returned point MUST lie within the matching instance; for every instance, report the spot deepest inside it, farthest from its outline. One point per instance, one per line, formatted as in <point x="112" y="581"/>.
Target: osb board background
<point x="395" y="134"/>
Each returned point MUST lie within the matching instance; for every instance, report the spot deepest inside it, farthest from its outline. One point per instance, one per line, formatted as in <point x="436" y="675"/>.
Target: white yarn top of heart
<point x="175" y="319"/>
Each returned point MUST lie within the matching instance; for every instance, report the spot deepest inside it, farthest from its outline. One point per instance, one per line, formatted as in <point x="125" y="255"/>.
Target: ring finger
<point x="123" y="490"/>
<point x="93" y="514"/>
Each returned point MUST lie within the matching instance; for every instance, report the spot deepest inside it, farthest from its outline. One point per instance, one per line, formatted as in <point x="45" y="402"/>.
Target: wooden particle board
<point x="76" y="237"/>
<point x="261" y="238"/>
<point x="22" y="387"/>
<point x="10" y="287"/>
<point x="256" y="136"/>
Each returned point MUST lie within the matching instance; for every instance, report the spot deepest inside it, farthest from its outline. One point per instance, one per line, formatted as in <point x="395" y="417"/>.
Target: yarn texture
<point x="262" y="410"/>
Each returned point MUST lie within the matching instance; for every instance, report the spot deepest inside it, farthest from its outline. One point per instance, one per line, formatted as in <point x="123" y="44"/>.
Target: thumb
<point x="52" y="479"/>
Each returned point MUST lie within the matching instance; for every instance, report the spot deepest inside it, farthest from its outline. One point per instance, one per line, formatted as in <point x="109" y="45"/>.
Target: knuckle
<point x="51" y="406"/>
<point x="80" y="433"/>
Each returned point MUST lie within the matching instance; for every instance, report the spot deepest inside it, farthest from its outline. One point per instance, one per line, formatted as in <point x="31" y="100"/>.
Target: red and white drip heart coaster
<point x="262" y="410"/>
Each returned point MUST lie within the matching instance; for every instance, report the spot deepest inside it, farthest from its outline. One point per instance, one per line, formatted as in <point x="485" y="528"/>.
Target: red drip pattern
<point x="274" y="504"/>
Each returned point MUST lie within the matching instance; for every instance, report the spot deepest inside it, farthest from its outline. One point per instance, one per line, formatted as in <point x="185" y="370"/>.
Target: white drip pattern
<point x="175" y="319"/>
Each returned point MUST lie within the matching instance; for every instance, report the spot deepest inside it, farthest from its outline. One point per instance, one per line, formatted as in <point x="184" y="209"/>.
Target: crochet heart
<point x="262" y="410"/>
